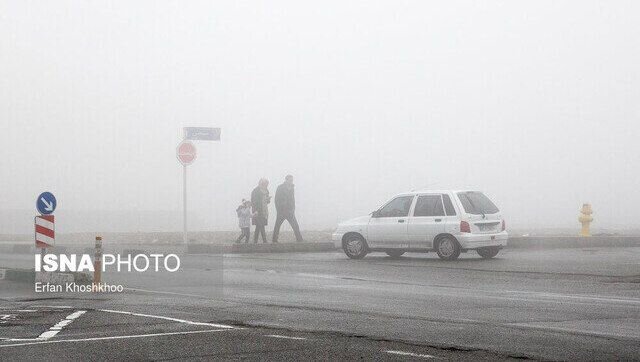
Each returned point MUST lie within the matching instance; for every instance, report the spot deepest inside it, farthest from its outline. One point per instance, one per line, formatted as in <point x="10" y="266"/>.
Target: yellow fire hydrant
<point x="585" y="219"/>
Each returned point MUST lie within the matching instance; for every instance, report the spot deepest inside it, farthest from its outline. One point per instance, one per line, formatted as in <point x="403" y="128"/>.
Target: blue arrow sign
<point x="46" y="203"/>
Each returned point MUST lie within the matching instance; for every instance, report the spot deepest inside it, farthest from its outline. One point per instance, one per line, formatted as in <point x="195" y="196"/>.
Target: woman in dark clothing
<point x="260" y="200"/>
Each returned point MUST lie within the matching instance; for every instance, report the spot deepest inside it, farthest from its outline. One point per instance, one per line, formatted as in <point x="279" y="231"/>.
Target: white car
<point x="447" y="222"/>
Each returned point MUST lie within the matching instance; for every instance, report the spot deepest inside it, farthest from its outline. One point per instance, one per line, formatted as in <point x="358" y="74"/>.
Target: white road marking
<point x="55" y="329"/>
<point x="169" y="293"/>
<point x="510" y="295"/>
<point x="410" y="354"/>
<point x="63" y="323"/>
<point x="506" y="295"/>
<point x="46" y="335"/>
<point x="5" y="318"/>
<point x="597" y="298"/>
<point x="76" y="314"/>
<point x="320" y="276"/>
<point x="284" y="337"/>
<point x="517" y="296"/>
<point x="111" y="338"/>
<point x="58" y="326"/>
<point x="52" y="306"/>
<point x="575" y="331"/>
<point x="215" y="325"/>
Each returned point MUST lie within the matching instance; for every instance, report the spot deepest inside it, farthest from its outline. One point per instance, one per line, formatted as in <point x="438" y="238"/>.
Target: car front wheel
<point x="448" y="248"/>
<point x="355" y="246"/>
<point x="488" y="252"/>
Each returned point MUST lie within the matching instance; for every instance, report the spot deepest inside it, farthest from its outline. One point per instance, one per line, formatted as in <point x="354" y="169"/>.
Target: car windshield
<point x="477" y="203"/>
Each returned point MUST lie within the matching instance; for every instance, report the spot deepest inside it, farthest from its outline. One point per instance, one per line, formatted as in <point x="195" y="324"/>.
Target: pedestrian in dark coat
<point x="260" y="200"/>
<point x="286" y="208"/>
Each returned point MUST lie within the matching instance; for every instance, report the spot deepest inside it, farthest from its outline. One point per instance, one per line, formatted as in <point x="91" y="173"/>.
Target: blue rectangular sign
<point x="202" y="133"/>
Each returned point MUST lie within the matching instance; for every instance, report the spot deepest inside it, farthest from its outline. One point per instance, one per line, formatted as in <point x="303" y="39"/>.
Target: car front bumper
<point x="337" y="239"/>
<point x="475" y="241"/>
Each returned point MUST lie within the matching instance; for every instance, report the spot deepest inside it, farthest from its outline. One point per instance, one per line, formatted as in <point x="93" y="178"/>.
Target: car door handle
<point x="438" y="220"/>
<point x="401" y="220"/>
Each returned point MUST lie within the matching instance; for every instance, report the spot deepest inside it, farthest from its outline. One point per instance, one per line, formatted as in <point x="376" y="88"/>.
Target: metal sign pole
<point x="186" y="153"/>
<point x="184" y="203"/>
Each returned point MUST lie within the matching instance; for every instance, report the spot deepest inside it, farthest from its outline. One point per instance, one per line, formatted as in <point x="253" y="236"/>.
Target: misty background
<point x="535" y="103"/>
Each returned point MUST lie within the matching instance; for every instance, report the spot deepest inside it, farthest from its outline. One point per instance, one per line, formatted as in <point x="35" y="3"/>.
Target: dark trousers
<point x="260" y="230"/>
<point x="246" y="234"/>
<point x="291" y="218"/>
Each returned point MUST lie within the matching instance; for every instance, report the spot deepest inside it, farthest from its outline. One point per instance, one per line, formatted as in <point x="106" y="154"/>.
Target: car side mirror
<point x="375" y="213"/>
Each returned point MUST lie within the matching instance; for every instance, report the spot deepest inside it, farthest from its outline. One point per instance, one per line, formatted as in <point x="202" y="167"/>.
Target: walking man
<point x="285" y="208"/>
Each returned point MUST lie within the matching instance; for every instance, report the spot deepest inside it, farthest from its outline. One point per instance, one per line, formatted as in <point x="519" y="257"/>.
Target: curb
<point x="31" y="276"/>
<point x="18" y="275"/>
<point x="260" y="248"/>
<point x="562" y="242"/>
<point x="30" y="249"/>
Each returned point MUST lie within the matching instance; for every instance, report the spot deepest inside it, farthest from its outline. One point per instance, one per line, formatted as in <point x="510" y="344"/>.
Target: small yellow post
<point x="585" y="219"/>
<point x="97" y="263"/>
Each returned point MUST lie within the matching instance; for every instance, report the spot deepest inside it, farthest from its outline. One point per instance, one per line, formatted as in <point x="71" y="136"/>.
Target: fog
<point x="535" y="103"/>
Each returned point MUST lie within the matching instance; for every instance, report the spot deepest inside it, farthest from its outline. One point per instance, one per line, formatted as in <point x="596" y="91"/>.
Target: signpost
<point x="202" y="133"/>
<point x="45" y="231"/>
<point x="186" y="154"/>
<point x="46" y="203"/>
<point x="44" y="224"/>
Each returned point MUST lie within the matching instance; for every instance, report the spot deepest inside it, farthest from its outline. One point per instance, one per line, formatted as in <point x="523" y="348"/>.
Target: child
<point x="244" y="220"/>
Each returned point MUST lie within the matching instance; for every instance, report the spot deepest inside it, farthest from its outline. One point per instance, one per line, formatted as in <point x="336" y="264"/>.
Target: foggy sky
<point x="535" y="103"/>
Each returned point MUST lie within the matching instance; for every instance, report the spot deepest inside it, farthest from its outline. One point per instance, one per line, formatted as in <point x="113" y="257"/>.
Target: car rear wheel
<point x="488" y="252"/>
<point x="448" y="248"/>
<point x="355" y="246"/>
<point x="395" y="253"/>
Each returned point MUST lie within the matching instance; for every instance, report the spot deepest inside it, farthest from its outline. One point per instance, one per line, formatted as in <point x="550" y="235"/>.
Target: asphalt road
<point x="562" y="304"/>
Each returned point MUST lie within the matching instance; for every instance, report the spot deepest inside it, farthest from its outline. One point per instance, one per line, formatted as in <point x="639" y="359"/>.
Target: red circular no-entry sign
<point x="186" y="153"/>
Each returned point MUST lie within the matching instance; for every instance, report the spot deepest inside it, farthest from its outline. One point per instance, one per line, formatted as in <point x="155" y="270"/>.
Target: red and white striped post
<point x="45" y="231"/>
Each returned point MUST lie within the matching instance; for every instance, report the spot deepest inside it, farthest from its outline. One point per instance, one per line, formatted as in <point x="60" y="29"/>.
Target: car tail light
<point x="464" y="227"/>
<point x="504" y="225"/>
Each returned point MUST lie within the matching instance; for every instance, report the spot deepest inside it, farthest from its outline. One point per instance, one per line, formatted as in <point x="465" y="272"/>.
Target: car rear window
<point x="477" y="203"/>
